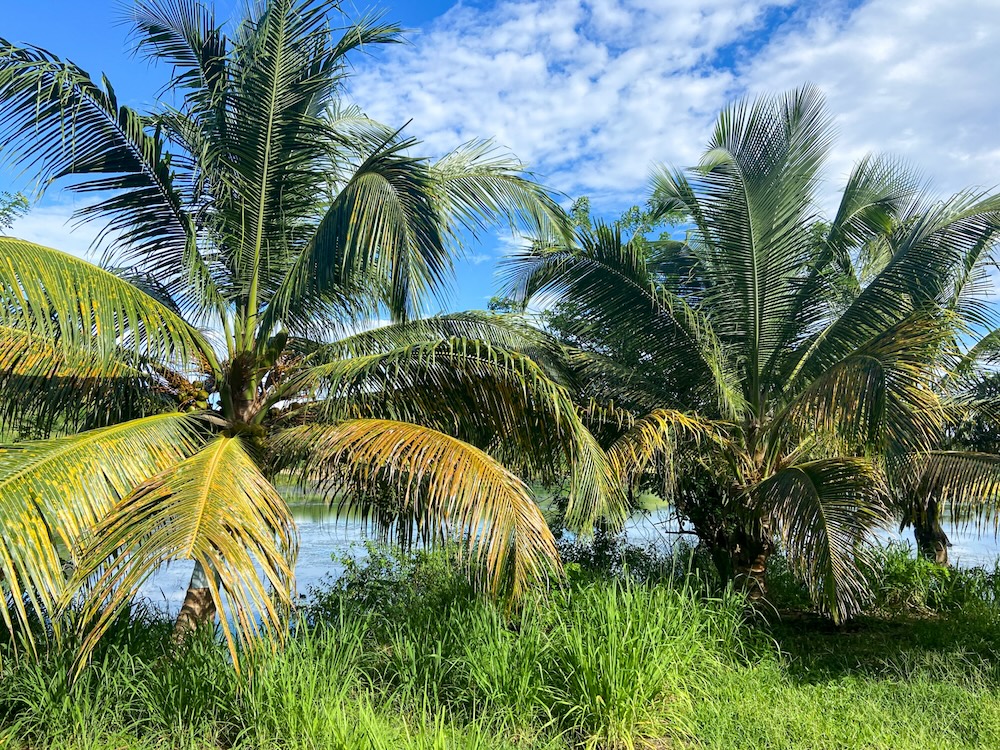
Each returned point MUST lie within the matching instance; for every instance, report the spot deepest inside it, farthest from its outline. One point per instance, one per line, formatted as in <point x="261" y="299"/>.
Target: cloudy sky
<point x="592" y="93"/>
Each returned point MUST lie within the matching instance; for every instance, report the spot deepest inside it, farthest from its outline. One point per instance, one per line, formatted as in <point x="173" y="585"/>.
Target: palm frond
<point x="656" y="435"/>
<point x="53" y="492"/>
<point x="214" y="507"/>
<point x="449" y="487"/>
<point x="881" y="396"/>
<point x="607" y="280"/>
<point x="383" y="231"/>
<point x="878" y="192"/>
<point x="46" y="387"/>
<point x="826" y="512"/>
<point x="930" y="250"/>
<point x="185" y="35"/>
<point x="755" y="188"/>
<point x="479" y="184"/>
<point x="56" y="122"/>
<point x="501" y="330"/>
<point x="284" y="67"/>
<point x="498" y="400"/>
<point x="966" y="482"/>
<point x="80" y="307"/>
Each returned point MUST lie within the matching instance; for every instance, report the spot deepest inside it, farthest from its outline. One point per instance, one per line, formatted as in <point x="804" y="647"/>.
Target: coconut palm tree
<point x="801" y="380"/>
<point x="252" y="224"/>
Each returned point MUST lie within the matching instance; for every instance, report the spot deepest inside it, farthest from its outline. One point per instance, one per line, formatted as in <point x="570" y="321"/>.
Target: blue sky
<point x="592" y="93"/>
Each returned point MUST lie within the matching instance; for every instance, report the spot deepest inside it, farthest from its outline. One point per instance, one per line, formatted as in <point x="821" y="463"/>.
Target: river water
<point x="324" y="538"/>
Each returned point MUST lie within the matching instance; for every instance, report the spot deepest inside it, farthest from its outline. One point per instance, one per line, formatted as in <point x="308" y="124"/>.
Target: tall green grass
<point x="400" y="653"/>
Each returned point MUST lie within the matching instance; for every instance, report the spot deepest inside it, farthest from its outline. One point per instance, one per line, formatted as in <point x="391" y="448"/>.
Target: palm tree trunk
<point x="739" y="556"/>
<point x="199" y="606"/>
<point x="750" y="565"/>
<point x="932" y="542"/>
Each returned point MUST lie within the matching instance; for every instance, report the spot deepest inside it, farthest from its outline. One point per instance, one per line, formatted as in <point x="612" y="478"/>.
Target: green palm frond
<point x="382" y="227"/>
<point x="53" y="492"/>
<point x="878" y="191"/>
<point x="930" y="249"/>
<point x="881" y="396"/>
<point x="81" y="307"/>
<point x="499" y="330"/>
<point x="284" y="66"/>
<point x="185" y="35"/>
<point x="826" y="511"/>
<point x="446" y="485"/>
<point x="214" y="507"/>
<point x="59" y="124"/>
<point x="479" y="184"/>
<point x="608" y="280"/>
<point x="754" y="188"/>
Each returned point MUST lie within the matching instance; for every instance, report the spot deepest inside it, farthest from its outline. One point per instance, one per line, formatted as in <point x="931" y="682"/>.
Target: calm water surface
<point x="324" y="538"/>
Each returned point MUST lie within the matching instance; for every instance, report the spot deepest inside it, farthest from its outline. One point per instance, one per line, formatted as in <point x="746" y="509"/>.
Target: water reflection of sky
<point x="323" y="538"/>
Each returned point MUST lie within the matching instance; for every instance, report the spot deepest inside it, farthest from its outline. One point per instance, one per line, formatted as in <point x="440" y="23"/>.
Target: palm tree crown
<point x="802" y="377"/>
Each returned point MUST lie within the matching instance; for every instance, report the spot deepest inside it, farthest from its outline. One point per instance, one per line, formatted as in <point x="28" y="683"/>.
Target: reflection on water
<point x="323" y="538"/>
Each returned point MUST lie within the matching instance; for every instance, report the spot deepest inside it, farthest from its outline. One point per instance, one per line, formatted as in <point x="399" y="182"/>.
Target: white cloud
<point x="592" y="92"/>
<point x="916" y="79"/>
<point x="51" y="225"/>
<point x="588" y="93"/>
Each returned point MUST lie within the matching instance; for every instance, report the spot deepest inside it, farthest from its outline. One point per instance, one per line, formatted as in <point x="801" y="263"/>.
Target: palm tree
<point x="800" y="380"/>
<point x="252" y="226"/>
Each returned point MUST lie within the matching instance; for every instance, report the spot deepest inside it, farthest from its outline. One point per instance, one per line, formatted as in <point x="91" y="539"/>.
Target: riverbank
<point x="636" y="652"/>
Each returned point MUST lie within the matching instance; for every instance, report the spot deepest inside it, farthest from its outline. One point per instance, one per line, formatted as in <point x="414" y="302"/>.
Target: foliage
<point x="12" y="206"/>
<point x="775" y="370"/>
<point x="399" y="653"/>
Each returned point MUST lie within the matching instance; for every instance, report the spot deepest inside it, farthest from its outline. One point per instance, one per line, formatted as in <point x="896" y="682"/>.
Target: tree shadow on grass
<point x="960" y="648"/>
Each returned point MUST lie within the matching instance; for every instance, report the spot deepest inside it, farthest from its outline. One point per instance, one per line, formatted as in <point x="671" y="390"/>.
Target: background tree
<point x="758" y="340"/>
<point x="12" y="206"/>
<point x="254" y="223"/>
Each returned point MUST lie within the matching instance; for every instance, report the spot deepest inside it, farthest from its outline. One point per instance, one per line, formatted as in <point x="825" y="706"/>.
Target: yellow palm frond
<point x="655" y="434"/>
<point x="455" y="486"/>
<point x="216" y="508"/>
<point x="46" y="384"/>
<point x="52" y="492"/>
<point x="64" y="299"/>
<point x="500" y="400"/>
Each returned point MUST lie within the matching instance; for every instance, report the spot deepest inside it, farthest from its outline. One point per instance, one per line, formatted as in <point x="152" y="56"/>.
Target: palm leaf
<point x="45" y="386"/>
<point x="478" y="184"/>
<point x="214" y="507"/>
<point x="53" y="492"/>
<point x="930" y="249"/>
<point x="68" y="301"/>
<point x="499" y="400"/>
<point x="826" y="511"/>
<point x="450" y="486"/>
<point x="284" y="67"/>
<point x="56" y="122"/>
<point x="382" y="230"/>
<point x="656" y="434"/>
<point x="967" y="482"/>
<point x="609" y="283"/>
<point x="880" y="397"/>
